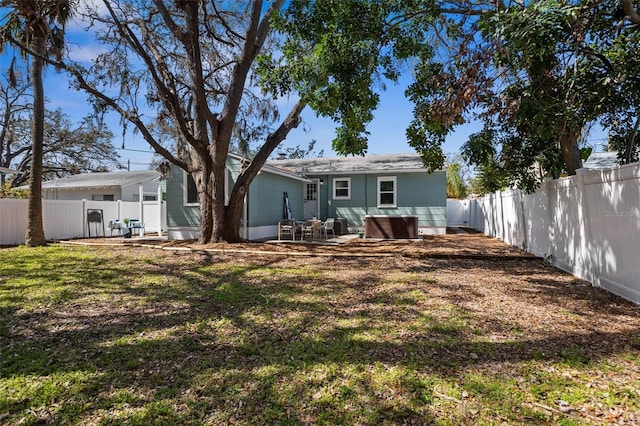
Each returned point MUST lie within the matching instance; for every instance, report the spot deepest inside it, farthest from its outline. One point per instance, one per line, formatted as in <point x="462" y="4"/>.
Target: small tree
<point x="456" y="187"/>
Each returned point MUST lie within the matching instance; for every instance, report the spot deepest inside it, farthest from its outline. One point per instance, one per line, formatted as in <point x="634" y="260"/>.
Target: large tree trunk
<point x="202" y="177"/>
<point x="35" y="229"/>
<point x="233" y="216"/>
<point x="206" y="207"/>
<point x="631" y="141"/>
<point x="217" y="184"/>
<point x="209" y="178"/>
<point x="570" y="150"/>
<point x="235" y="209"/>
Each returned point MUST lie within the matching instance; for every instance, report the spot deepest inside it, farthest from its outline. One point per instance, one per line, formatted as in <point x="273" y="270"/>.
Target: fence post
<point x="502" y="227"/>
<point x="159" y="210"/>
<point x="587" y="265"/>
<point x="84" y="218"/>
<point x="523" y="217"/>
<point x="548" y="184"/>
<point x="141" y="205"/>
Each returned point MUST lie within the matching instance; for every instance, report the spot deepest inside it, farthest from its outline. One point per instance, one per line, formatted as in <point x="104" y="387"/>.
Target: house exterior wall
<point x="124" y="193"/>
<point x="266" y="199"/>
<point x="179" y="215"/>
<point x="132" y="192"/>
<point x="81" y="194"/>
<point x="264" y="207"/>
<point x="266" y="203"/>
<point x="417" y="194"/>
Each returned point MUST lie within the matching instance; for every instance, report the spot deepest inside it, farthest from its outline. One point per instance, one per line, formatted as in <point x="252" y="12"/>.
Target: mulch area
<point x="470" y="246"/>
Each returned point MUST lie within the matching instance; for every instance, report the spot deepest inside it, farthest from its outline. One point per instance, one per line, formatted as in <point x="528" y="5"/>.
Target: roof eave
<point x="85" y="187"/>
<point x="366" y="172"/>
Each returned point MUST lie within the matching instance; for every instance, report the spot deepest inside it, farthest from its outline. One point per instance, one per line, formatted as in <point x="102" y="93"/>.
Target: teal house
<point x="385" y="196"/>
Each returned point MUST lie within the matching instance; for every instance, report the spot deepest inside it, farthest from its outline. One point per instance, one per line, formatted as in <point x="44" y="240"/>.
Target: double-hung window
<point x="342" y="188"/>
<point x="387" y="191"/>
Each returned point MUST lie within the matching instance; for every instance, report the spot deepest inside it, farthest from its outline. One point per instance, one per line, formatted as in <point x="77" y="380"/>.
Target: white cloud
<point x="79" y="20"/>
<point x="85" y="53"/>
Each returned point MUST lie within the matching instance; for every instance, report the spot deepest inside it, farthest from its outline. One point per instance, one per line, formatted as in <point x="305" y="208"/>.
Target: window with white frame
<point x="387" y="191"/>
<point x="342" y="188"/>
<point x="190" y="193"/>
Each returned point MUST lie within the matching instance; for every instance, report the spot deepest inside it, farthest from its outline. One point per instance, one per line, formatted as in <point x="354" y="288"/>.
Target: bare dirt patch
<point x="450" y="245"/>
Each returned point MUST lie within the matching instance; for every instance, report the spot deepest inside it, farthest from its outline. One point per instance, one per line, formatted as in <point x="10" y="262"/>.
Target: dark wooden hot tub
<point x="394" y="227"/>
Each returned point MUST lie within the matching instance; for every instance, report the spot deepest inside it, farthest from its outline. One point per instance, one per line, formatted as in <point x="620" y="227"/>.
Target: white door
<point x="311" y="202"/>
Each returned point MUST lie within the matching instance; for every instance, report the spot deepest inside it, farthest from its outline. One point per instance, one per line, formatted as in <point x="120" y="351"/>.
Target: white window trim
<point x="393" y="179"/>
<point x="348" y="180"/>
<point x="185" y="181"/>
<point x="185" y="186"/>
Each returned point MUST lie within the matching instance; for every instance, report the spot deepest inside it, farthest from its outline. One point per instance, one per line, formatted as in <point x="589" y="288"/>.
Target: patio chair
<point x="311" y="229"/>
<point x="116" y="225"/>
<point x="287" y="227"/>
<point x="327" y="226"/>
<point x="136" y="225"/>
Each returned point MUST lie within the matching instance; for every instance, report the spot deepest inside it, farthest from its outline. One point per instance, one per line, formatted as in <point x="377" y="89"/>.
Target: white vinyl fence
<point x="588" y="225"/>
<point x="64" y="219"/>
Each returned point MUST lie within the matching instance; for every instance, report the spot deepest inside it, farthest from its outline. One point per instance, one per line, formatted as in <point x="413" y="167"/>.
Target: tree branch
<point x="256" y="34"/>
<point x="83" y="84"/>
<point x="273" y="140"/>
<point x="632" y="15"/>
<point x="168" y="95"/>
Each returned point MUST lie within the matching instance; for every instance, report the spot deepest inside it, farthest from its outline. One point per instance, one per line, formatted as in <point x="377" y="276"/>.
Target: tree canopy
<point x="538" y="74"/>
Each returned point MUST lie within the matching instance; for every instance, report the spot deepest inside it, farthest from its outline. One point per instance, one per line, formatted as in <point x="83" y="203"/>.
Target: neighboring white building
<point x="109" y="186"/>
<point x="601" y="160"/>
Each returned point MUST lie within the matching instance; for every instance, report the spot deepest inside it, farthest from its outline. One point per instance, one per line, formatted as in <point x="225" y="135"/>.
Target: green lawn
<point x="142" y="336"/>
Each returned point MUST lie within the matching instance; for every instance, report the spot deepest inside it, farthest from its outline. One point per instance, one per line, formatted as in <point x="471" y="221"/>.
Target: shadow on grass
<point x="210" y="339"/>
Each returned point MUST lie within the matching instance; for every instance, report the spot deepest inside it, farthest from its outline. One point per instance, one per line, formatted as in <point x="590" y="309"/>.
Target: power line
<point x="137" y="150"/>
<point x="135" y="163"/>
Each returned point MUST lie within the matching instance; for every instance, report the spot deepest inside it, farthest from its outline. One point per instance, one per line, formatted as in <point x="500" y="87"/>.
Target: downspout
<point x="318" y="209"/>
<point x="246" y="214"/>
<point x="328" y="190"/>
<point x="366" y="195"/>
